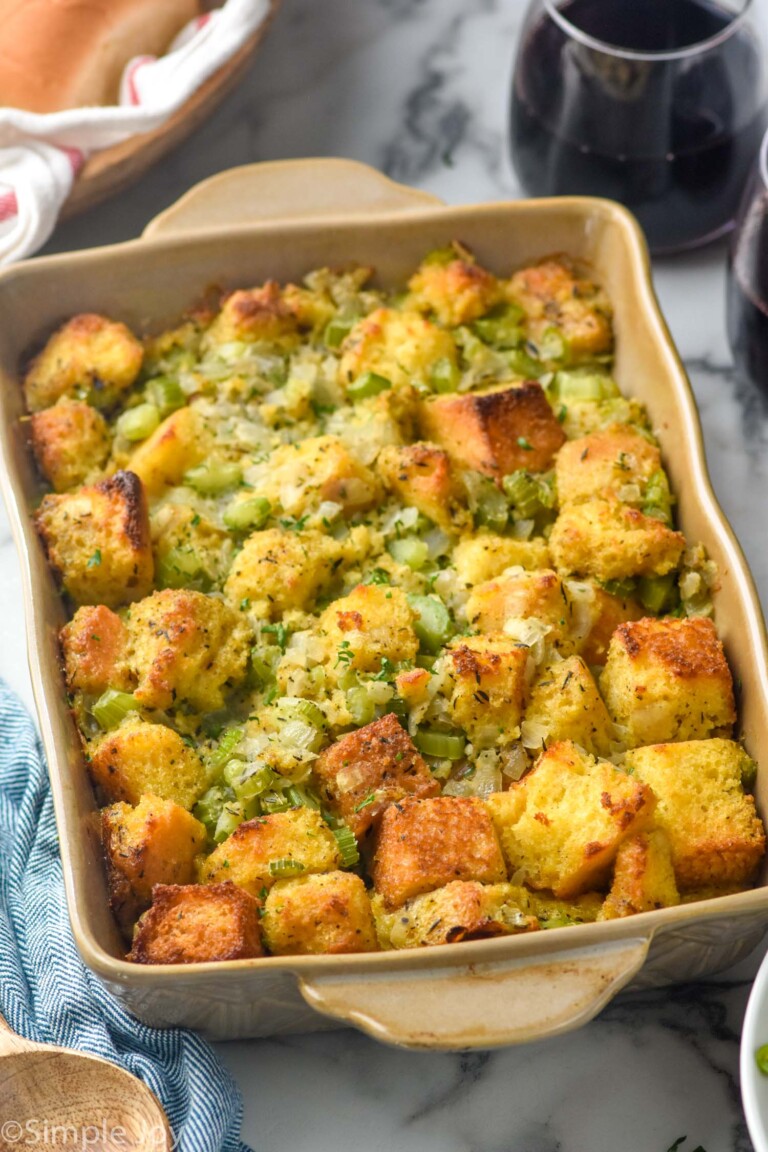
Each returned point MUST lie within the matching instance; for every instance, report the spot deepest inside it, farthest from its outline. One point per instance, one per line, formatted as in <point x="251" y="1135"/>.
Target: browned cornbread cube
<point x="71" y="442"/>
<point x="184" y="645"/>
<point x="612" y="460"/>
<point x="277" y="570"/>
<point x="552" y="295"/>
<point x="374" y="621"/>
<point x="154" y="843"/>
<point x="610" y="541"/>
<point x="566" y="705"/>
<point x="97" y="539"/>
<point x="175" y="446"/>
<point x="93" y="643"/>
<point x="668" y="679"/>
<point x="456" y="291"/>
<point x="138" y="757"/>
<point x="484" y="555"/>
<point x="462" y="910"/>
<point x="715" y="834"/>
<point x="643" y="877"/>
<point x="608" y="612"/>
<point x="252" y="314"/>
<point x="88" y="357"/>
<point x="300" y="836"/>
<point x="420" y="475"/>
<point x="327" y="913"/>
<point x="195" y="923"/>
<point x="486" y="679"/>
<point x="562" y="824"/>
<point x="425" y="844"/>
<point x="402" y="346"/>
<point x="497" y="431"/>
<point x="365" y="771"/>
<point x="299" y="477"/>
<point x="522" y="596"/>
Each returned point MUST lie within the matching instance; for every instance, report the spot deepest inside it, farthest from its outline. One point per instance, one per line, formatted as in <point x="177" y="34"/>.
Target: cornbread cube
<point x="611" y="460"/>
<point x="185" y="646"/>
<point x="716" y="836"/>
<point x="189" y="550"/>
<point x="299" y="835"/>
<point x="179" y="344"/>
<point x="608" y="611"/>
<point x="610" y="541"/>
<point x="413" y="685"/>
<point x="462" y="910"/>
<point x="566" y="705"/>
<point x="425" y="844"/>
<point x="487" y="680"/>
<point x="93" y="643"/>
<point x="328" y="913"/>
<point x="154" y="843"/>
<point x="195" y="923"/>
<point x="552" y="295"/>
<point x="372" y="622"/>
<point x="485" y="555"/>
<point x="175" y="446"/>
<point x="71" y="442"/>
<point x="562" y="824"/>
<point x="299" y="477"/>
<point x="254" y="314"/>
<point x="520" y="596"/>
<point x="401" y="346"/>
<point x="457" y="291"/>
<point x="277" y="570"/>
<point x="89" y="357"/>
<point x="97" y="539"/>
<point x="138" y="758"/>
<point x="498" y="431"/>
<point x="643" y="876"/>
<point x="420" y="475"/>
<point x="365" y="771"/>
<point x="668" y="679"/>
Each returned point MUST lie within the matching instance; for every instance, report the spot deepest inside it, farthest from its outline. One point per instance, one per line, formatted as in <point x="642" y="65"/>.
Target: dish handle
<point x="479" y="1005"/>
<point x="284" y="190"/>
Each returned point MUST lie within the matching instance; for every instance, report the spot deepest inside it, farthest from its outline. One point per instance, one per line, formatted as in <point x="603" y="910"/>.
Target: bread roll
<point x="58" y="54"/>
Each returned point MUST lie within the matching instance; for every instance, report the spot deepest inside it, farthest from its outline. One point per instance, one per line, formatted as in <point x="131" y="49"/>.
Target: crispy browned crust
<point x="260" y="312"/>
<point x="195" y="923"/>
<point x="495" y="432"/>
<point x="327" y="913"/>
<point x="92" y="644"/>
<point x="70" y="440"/>
<point x="604" y="461"/>
<point x="425" y="844"/>
<point x="611" y="612"/>
<point x="686" y="648"/>
<point x="380" y="761"/>
<point x="129" y="490"/>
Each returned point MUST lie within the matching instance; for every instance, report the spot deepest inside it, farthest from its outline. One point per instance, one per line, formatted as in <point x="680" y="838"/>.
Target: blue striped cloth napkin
<point x="47" y="994"/>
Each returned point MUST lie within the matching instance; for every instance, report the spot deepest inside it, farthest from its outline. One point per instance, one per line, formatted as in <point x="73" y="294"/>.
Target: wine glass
<point x="747" y="285"/>
<point x="660" y="104"/>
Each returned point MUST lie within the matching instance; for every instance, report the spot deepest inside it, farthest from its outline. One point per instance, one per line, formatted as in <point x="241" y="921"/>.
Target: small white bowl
<point x="754" y="1083"/>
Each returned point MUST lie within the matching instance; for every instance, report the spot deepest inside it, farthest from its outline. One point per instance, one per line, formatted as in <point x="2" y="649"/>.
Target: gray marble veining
<point x="419" y="88"/>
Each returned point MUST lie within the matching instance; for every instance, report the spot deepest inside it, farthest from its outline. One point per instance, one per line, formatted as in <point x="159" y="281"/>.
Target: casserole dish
<point x="489" y="992"/>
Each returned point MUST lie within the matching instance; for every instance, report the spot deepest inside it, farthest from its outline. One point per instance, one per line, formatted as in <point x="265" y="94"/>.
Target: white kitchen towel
<point x="40" y="155"/>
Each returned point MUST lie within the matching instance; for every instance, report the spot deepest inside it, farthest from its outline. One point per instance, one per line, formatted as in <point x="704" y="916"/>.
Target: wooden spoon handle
<point x="10" y="1041"/>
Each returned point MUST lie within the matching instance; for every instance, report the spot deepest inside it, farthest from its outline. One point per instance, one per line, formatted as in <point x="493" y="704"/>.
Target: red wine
<point x="673" y="140"/>
<point x="747" y="302"/>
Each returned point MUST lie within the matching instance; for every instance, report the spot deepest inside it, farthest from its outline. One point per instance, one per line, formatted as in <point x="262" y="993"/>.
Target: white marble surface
<point x="419" y="88"/>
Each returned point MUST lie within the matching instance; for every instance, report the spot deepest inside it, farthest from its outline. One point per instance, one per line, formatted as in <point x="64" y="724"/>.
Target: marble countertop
<point x="418" y="88"/>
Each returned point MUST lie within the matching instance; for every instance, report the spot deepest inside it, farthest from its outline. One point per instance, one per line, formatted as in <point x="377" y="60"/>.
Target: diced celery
<point x="433" y="624"/>
<point x="228" y="742"/>
<point x="658" y="499"/>
<point x="361" y="707"/>
<point x="242" y="515"/>
<point x="656" y="592"/>
<point x="166" y="393"/>
<point x="582" y="384"/>
<point x="264" y="661"/>
<point x="296" y="708"/>
<point x="347" y="843"/>
<point x="285" y="868"/>
<point x="552" y="345"/>
<point x="501" y="331"/>
<point x="112" y="707"/>
<point x="528" y="494"/>
<point x="274" y="802"/>
<point x="253" y="779"/>
<point x="487" y="504"/>
<point x="443" y="745"/>
<point x="622" y="588"/>
<point x="209" y="807"/>
<point x="337" y="330"/>
<point x="441" y="256"/>
<point x="214" y="477"/>
<point x="231" y="817"/>
<point x="410" y="550"/>
<point x="179" y="567"/>
<point x="444" y="376"/>
<point x="522" y="364"/>
<point x="367" y="385"/>
<point x="139" y="422"/>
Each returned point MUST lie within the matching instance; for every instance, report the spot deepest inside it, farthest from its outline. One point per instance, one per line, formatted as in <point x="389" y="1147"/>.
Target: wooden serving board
<point x="114" y="169"/>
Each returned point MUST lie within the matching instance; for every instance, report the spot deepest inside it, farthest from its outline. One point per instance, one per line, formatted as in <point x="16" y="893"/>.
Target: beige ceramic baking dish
<point x="281" y="220"/>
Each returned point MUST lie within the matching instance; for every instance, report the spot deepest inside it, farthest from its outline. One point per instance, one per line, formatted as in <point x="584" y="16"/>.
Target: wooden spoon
<point x="95" y="1103"/>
